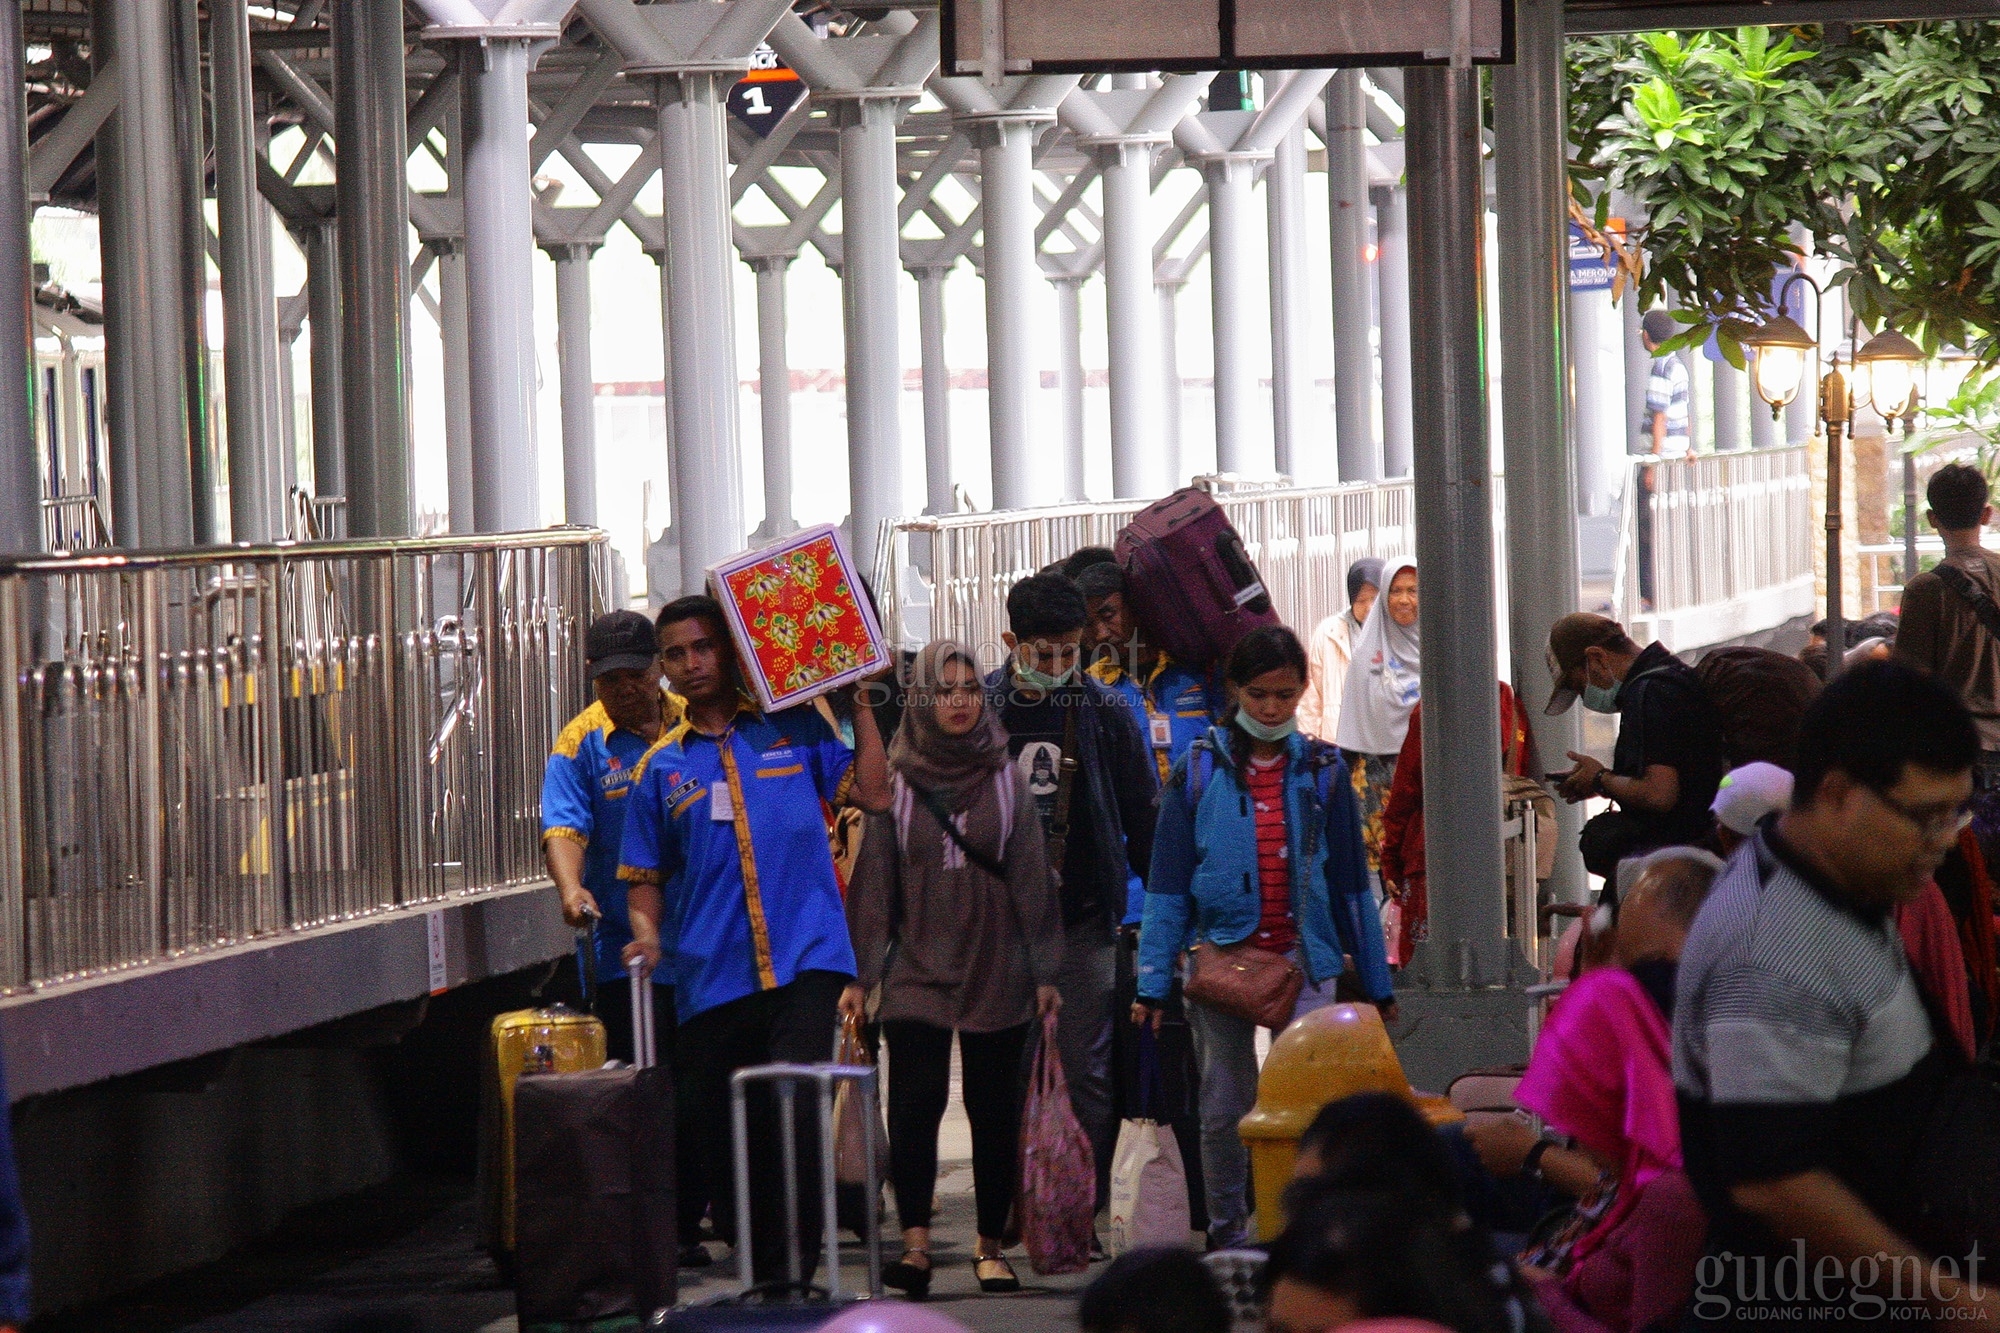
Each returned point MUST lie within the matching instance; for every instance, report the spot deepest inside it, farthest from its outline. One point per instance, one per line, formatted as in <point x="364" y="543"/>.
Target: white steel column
<point x="579" y="385"/>
<point x="323" y="319"/>
<point x="870" y="268"/>
<point x="1392" y="278"/>
<point x="1731" y="388"/>
<point x="774" y="393"/>
<point x="1069" y="378"/>
<point x="20" y="472"/>
<point x="1173" y="391"/>
<point x="700" y="312"/>
<point x="1004" y="124"/>
<point x="1132" y="323"/>
<point x="1229" y="177"/>
<point x="1125" y="127"/>
<point x="494" y="60"/>
<point x="1353" y="317"/>
<point x="1023" y="473"/>
<point x="460" y="489"/>
<point x="1291" y="376"/>
<point x="939" y="497"/>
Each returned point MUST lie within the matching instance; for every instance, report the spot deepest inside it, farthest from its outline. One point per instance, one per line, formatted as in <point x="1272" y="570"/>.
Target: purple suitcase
<point x="1189" y="580"/>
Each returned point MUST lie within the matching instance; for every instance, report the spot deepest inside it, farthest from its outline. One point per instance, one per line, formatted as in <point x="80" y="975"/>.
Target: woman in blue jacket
<point x="1258" y="843"/>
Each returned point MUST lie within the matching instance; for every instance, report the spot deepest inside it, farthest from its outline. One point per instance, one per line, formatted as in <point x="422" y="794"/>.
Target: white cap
<point x="1748" y="794"/>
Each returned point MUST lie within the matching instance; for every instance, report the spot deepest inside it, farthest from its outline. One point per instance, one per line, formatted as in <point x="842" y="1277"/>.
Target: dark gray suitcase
<point x="596" y="1232"/>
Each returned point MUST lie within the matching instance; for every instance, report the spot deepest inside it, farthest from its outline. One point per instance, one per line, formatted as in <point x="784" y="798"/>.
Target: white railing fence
<point x="947" y="576"/>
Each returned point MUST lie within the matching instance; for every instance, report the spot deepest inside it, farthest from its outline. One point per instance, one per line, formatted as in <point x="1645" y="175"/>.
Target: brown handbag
<point x="1246" y="982"/>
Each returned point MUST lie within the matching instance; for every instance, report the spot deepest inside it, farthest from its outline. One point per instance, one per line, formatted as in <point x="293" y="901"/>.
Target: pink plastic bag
<point x="1058" y="1170"/>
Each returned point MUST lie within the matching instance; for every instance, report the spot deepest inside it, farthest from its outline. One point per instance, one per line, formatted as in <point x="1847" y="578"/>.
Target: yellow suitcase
<point x="555" y="1040"/>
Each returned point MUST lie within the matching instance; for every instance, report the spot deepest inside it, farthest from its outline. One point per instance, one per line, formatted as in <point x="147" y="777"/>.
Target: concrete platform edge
<point x="75" y="1033"/>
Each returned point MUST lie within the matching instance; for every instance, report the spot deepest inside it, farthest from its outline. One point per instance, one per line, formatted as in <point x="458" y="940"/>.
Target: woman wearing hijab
<point x="1331" y="648"/>
<point x="1602" y="1074"/>
<point x="955" y="877"/>
<point x="1382" y="686"/>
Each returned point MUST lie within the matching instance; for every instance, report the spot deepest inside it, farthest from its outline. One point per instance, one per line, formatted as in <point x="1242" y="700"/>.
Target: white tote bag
<point x="1149" y="1198"/>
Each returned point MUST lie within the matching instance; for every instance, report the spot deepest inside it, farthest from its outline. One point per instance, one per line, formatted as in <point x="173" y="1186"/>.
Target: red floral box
<point x="802" y="625"/>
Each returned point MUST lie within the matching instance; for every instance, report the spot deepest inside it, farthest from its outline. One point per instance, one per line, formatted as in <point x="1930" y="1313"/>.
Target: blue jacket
<point x="1203" y="885"/>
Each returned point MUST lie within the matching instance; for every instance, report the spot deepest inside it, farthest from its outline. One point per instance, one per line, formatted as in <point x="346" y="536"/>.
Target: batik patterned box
<point x="802" y="625"/>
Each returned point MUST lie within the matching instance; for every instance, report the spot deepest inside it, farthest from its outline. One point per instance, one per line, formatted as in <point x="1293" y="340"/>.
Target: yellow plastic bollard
<point x="1328" y="1054"/>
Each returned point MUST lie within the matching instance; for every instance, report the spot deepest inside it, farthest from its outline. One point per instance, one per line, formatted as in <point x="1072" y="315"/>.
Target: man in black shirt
<point x="1668" y="763"/>
<point x="1083" y="753"/>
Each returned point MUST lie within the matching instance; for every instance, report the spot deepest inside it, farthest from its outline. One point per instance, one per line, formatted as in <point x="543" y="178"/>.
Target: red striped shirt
<point x="1275" y="929"/>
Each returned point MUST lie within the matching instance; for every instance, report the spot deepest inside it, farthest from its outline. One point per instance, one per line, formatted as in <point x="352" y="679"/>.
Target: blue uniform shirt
<point x="585" y="791"/>
<point x="1178" y="709"/>
<point x="732" y="830"/>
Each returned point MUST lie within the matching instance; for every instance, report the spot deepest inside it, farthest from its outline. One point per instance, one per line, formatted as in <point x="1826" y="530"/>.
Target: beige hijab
<point x="952" y="766"/>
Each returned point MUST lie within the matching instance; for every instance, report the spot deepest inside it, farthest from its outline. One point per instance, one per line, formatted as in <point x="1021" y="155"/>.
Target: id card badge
<point x="720" y="808"/>
<point x="1163" y="732"/>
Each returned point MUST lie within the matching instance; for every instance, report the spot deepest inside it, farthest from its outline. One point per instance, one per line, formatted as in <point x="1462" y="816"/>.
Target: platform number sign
<point x="761" y="98"/>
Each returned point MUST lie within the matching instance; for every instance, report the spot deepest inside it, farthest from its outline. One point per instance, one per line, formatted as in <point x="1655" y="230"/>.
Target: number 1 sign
<point x="761" y="98"/>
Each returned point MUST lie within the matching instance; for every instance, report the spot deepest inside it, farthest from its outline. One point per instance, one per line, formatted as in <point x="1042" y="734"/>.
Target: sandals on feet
<point x="1004" y="1281"/>
<point x="911" y="1279"/>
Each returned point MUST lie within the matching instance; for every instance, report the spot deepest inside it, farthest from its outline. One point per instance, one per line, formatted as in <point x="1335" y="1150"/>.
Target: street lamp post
<point x="1889" y="361"/>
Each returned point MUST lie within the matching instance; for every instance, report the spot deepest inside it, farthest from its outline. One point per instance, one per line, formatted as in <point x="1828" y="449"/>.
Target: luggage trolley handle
<point x="645" y="1042"/>
<point x="785" y="1079"/>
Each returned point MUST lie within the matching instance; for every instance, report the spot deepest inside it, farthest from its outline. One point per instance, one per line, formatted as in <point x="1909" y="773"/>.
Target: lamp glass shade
<point x="1782" y="348"/>
<point x="1780" y="370"/>
<point x="1891" y="362"/>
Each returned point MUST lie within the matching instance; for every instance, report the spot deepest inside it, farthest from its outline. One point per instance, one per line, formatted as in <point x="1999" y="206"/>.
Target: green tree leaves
<point x="1885" y="149"/>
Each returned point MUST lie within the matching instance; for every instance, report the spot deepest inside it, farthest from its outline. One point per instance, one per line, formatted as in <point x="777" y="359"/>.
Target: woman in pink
<point x="1602" y="1074"/>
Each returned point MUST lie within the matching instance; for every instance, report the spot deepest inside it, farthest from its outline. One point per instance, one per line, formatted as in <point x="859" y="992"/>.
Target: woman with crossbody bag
<point x="954" y="913"/>
<point x="1258" y="862"/>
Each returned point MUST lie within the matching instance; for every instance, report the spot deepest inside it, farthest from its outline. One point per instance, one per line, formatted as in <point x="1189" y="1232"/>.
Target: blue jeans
<point x="1226" y="1049"/>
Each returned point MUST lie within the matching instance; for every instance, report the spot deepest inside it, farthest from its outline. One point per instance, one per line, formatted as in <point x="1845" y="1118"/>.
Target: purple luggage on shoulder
<point x="1189" y="580"/>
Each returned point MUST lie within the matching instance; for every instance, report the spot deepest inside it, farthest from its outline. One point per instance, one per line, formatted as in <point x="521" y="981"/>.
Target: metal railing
<point x="75" y="523"/>
<point x="317" y="518"/>
<point x="947" y="576"/>
<point x="1726" y="528"/>
<point x="201" y="748"/>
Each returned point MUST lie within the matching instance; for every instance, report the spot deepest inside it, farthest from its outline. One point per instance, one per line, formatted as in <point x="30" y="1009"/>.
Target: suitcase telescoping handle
<point x="645" y="1044"/>
<point x="785" y="1080"/>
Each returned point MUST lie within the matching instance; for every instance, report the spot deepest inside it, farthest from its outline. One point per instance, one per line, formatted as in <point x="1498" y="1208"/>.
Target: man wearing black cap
<point x="584" y="788"/>
<point x="1669" y="757"/>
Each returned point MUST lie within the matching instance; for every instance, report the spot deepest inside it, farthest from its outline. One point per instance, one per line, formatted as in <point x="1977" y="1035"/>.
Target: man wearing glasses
<point x="1809" y="1074"/>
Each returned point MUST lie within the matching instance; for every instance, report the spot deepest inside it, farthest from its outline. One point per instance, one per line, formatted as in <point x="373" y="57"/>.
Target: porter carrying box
<point x="802" y="624"/>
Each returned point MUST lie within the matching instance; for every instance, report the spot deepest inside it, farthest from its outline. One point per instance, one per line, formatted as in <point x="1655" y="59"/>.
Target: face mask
<point x="1599" y="698"/>
<point x="1040" y="680"/>
<point x="1261" y="731"/>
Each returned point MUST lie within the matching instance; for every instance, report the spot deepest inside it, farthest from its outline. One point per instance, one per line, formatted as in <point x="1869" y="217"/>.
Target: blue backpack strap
<point x="1322" y="761"/>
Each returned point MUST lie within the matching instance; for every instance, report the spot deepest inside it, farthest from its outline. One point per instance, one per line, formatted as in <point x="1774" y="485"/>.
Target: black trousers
<point x="920" y="1084"/>
<point x="614" y="1010"/>
<point x="792" y="1024"/>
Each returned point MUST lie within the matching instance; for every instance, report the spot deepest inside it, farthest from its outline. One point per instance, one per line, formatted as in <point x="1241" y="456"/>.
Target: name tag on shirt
<point x="720" y="808"/>
<point x="1163" y="732"/>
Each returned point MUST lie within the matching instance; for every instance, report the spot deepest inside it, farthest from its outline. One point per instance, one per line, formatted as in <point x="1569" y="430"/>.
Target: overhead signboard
<point x="761" y="98"/>
<point x="1590" y="269"/>
<point x="1095" y="36"/>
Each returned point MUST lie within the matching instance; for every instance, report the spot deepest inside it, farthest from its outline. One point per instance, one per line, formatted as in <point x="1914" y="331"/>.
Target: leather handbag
<point x="1246" y="982"/>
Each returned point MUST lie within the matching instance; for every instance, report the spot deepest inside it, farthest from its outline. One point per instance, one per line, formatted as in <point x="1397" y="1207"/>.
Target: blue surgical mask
<point x="1601" y="698"/>
<point x="1261" y="731"/>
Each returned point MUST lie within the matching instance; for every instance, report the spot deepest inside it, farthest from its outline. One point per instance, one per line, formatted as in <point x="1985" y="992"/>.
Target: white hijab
<point x="1383" y="680"/>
